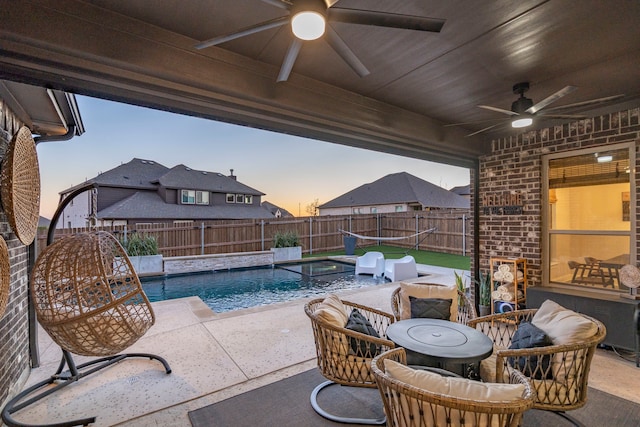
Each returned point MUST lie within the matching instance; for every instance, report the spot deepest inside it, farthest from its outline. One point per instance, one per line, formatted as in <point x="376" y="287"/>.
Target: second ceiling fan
<point x="310" y="20"/>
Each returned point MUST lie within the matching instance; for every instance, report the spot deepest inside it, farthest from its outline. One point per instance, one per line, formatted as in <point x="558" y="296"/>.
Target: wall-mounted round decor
<point x="5" y="276"/>
<point x="20" y="181"/>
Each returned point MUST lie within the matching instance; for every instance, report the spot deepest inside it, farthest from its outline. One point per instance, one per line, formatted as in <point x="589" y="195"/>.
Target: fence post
<point x="464" y="234"/>
<point x="262" y="233"/>
<point x="125" y="234"/>
<point x="310" y="235"/>
<point x="202" y="238"/>
<point x="417" y="230"/>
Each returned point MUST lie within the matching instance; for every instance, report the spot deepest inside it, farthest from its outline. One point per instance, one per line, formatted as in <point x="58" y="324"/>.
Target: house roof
<point x="149" y="205"/>
<point x="138" y="173"/>
<point x="399" y="187"/>
<point x="273" y="209"/>
<point x="183" y="177"/>
<point x="462" y="190"/>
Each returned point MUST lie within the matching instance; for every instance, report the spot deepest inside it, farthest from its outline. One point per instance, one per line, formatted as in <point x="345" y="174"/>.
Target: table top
<point x="617" y="261"/>
<point x="441" y="339"/>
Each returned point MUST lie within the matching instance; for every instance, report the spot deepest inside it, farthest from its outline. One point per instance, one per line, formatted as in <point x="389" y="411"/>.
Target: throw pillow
<point x="426" y="290"/>
<point x="357" y="322"/>
<point x="332" y="311"/>
<point x="562" y="325"/>
<point x="529" y="336"/>
<point x="432" y="308"/>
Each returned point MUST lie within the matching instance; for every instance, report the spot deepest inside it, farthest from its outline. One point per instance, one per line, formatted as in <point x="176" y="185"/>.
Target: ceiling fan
<point x="524" y="111"/>
<point x="308" y="19"/>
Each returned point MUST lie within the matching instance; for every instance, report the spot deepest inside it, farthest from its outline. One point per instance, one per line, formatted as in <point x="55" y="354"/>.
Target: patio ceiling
<point x="143" y="53"/>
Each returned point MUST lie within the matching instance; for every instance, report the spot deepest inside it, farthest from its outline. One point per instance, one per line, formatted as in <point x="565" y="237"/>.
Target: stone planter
<point x="147" y="264"/>
<point x="287" y="254"/>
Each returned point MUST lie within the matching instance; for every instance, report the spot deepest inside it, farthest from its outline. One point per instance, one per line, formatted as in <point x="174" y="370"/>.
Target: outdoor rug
<point x="286" y="404"/>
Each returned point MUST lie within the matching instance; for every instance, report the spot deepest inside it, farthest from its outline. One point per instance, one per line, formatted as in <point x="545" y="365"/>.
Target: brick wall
<point x="514" y="168"/>
<point x="14" y="329"/>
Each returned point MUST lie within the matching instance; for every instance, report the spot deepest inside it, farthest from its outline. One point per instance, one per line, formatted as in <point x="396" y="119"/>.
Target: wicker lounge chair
<point x="407" y="405"/>
<point x="559" y="373"/>
<point x="337" y="360"/>
<point x="465" y="309"/>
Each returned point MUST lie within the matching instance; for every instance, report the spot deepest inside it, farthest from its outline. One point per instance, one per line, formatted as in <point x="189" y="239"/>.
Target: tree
<point x="312" y="208"/>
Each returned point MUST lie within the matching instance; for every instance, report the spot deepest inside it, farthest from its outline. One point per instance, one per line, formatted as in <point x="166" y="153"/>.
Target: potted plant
<point x="460" y="284"/>
<point x="484" y="284"/>
<point x="143" y="253"/>
<point x="286" y="246"/>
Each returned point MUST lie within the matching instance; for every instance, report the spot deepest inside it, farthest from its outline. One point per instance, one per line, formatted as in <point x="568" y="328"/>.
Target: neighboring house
<point x="463" y="190"/>
<point x="144" y="191"/>
<point x="277" y="211"/>
<point x="398" y="192"/>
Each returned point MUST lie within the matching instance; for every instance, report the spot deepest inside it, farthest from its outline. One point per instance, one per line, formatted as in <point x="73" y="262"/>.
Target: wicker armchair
<point x="558" y="373"/>
<point x="409" y="406"/>
<point x="466" y="310"/>
<point x="336" y="359"/>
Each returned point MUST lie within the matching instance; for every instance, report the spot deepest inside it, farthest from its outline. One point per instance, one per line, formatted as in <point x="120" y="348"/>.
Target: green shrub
<point x="140" y="245"/>
<point x="286" y="239"/>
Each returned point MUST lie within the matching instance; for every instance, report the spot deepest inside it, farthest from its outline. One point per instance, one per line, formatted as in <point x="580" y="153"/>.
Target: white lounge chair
<point x="400" y="269"/>
<point x="370" y="263"/>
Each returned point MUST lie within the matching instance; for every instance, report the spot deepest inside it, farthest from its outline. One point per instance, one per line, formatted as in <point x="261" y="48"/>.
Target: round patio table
<point x="441" y="343"/>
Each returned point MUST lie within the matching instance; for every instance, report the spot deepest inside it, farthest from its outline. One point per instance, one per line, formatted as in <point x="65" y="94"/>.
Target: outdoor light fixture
<point x="604" y="159"/>
<point x="308" y="21"/>
<point x="522" y="122"/>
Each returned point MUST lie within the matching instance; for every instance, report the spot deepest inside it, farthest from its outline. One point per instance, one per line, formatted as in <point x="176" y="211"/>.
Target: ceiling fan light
<point x="308" y="25"/>
<point x="522" y="122"/>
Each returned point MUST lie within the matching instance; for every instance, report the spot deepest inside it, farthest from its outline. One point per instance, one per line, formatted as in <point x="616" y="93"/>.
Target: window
<point x="239" y="198"/>
<point x="357" y="210"/>
<point x="586" y="223"/>
<point x="373" y="210"/>
<point x="248" y="199"/>
<point x="188" y="197"/>
<point x="202" y="197"/>
<point x="399" y="209"/>
<point x="231" y="198"/>
<point x="191" y="197"/>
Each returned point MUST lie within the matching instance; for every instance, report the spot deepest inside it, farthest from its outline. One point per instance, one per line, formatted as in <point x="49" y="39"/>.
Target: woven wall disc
<point x="630" y="276"/>
<point x="20" y="180"/>
<point x="5" y="276"/>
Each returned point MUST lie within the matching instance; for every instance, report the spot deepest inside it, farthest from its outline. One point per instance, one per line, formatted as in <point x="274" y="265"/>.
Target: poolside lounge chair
<point x="415" y="398"/>
<point x="344" y="353"/>
<point x="400" y="269"/>
<point x="556" y="360"/>
<point x="371" y="263"/>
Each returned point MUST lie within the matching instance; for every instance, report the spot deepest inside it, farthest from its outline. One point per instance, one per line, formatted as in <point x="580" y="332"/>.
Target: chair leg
<point x="62" y="379"/>
<point x="346" y="420"/>
<point x="569" y="418"/>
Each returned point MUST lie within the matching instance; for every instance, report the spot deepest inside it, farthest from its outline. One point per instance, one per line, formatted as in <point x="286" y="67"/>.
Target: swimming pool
<point x="228" y="290"/>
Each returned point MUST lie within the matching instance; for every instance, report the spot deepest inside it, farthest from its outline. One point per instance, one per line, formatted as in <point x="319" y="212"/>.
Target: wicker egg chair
<point x="89" y="299"/>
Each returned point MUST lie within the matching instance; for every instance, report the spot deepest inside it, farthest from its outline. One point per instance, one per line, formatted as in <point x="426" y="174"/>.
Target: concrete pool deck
<point x="216" y="356"/>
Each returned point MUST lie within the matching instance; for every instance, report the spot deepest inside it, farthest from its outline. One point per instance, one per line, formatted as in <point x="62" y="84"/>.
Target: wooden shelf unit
<point x="518" y="284"/>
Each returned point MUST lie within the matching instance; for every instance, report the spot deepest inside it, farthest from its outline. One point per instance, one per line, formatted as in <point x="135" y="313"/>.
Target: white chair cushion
<point x="562" y="325"/>
<point x="426" y="290"/>
<point x="453" y="387"/>
<point x="332" y="311"/>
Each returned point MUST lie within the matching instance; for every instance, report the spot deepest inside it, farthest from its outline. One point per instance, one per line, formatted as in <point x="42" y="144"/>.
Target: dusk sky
<point x="292" y="171"/>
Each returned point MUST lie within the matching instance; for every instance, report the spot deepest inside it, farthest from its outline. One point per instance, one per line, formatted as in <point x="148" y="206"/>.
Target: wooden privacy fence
<point x="317" y="233"/>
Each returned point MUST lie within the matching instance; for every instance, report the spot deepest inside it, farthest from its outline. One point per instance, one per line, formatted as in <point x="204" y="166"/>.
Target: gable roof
<point x="138" y="173"/>
<point x="462" y="190"/>
<point x="399" y="187"/>
<point x="274" y="208"/>
<point x="149" y="205"/>
<point x="183" y="177"/>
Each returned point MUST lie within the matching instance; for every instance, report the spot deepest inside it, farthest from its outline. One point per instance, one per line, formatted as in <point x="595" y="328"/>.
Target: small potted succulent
<point x="484" y="284"/>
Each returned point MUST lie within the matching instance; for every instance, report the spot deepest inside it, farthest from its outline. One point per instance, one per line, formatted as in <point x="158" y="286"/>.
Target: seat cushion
<point x="427" y="290"/>
<point x="332" y="311"/>
<point x="451" y="386"/>
<point x="431" y="308"/>
<point x="528" y="336"/>
<point x="357" y="322"/>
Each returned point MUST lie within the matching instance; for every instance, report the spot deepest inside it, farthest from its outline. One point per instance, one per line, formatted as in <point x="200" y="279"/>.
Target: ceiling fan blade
<point x="277" y="3"/>
<point x="562" y="116"/>
<point x="289" y="59"/>
<point x="588" y="102"/>
<point x="499" y="110"/>
<point x="477" y="122"/>
<point x="484" y="130"/>
<point x="385" y="19"/>
<point x="345" y="52"/>
<point x="277" y="22"/>
<point x="551" y="98"/>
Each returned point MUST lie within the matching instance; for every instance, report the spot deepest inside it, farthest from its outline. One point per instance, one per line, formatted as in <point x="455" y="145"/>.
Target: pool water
<point x="250" y="287"/>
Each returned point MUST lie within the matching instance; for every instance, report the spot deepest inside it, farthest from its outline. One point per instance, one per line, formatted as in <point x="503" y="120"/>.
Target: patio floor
<point x="216" y="356"/>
